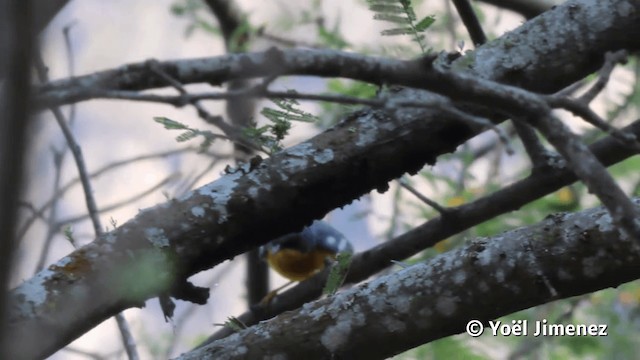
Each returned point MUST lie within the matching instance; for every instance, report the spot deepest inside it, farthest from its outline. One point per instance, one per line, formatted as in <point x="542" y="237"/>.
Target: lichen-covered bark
<point x="264" y="199"/>
<point x="547" y="53"/>
<point x="562" y="256"/>
<point x="364" y="264"/>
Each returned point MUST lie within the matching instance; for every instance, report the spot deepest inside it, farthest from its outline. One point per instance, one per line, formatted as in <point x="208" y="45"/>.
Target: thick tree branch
<point x="484" y="280"/>
<point x="510" y="198"/>
<point x="589" y="29"/>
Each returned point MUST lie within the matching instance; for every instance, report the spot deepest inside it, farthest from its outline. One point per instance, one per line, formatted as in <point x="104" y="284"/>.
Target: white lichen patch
<point x="33" y="293"/>
<point x="315" y="314"/>
<point x="624" y="9"/>
<point x="336" y="336"/>
<point x="220" y="192"/>
<point x="484" y="257"/>
<point x="156" y="236"/>
<point x="240" y="350"/>
<point x="261" y="180"/>
<point x="377" y="302"/>
<point x="302" y="150"/>
<point x="605" y="223"/>
<point x="459" y="277"/>
<point x="263" y="331"/>
<point x="401" y="304"/>
<point x="367" y="130"/>
<point x="392" y="324"/>
<point x="393" y="284"/>
<point x="446" y="305"/>
<point x="323" y="156"/>
<point x="197" y="211"/>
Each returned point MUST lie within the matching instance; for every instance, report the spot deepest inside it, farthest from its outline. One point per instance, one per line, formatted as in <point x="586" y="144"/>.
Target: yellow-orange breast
<point x="296" y="265"/>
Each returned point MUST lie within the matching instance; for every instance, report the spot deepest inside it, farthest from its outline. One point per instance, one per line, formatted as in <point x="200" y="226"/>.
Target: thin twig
<point x="230" y="131"/>
<point x="181" y="100"/>
<point x="442" y="210"/>
<point x="152" y="190"/>
<point x="611" y="60"/>
<point x="470" y="21"/>
<point x="92" y="208"/>
<point x="259" y="91"/>
<point x="58" y="160"/>
<point x="190" y="183"/>
<point x="39" y="212"/>
<point x="579" y="108"/>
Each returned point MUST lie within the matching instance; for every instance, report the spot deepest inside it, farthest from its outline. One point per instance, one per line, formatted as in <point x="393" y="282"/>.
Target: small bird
<point x="298" y="256"/>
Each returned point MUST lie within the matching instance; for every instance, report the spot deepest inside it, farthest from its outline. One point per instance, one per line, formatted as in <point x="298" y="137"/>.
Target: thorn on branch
<point x="444" y="212"/>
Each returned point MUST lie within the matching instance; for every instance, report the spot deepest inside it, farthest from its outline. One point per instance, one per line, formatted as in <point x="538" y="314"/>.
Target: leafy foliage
<point x="270" y="136"/>
<point x="331" y="111"/>
<point x="194" y="10"/>
<point x="189" y="133"/>
<point x="401" y="13"/>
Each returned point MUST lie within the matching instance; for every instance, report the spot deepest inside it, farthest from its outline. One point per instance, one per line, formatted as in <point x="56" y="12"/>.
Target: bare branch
<point x="611" y="60"/>
<point x="92" y="208"/>
<point x="515" y="55"/>
<point x="470" y="21"/>
<point x="405" y="184"/>
<point x="528" y="8"/>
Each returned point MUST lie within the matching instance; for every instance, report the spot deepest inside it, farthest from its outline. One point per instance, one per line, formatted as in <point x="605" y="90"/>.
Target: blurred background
<point x="136" y="163"/>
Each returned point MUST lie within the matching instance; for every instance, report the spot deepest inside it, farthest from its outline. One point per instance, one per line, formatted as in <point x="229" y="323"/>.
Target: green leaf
<point x="208" y="27"/>
<point x="169" y="124"/>
<point x="338" y="273"/>
<point x="398" y="31"/>
<point x="401" y="12"/>
<point x="235" y="324"/>
<point x="177" y="9"/>
<point x="425" y="23"/>
<point x="392" y="18"/>
<point x="332" y="38"/>
<point x="386" y="9"/>
<point x="186" y="136"/>
<point x="239" y="41"/>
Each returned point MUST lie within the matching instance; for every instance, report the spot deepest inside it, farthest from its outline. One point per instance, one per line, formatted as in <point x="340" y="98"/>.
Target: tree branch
<point x="586" y="37"/>
<point x="528" y="8"/>
<point x="484" y="280"/>
<point x="510" y="198"/>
